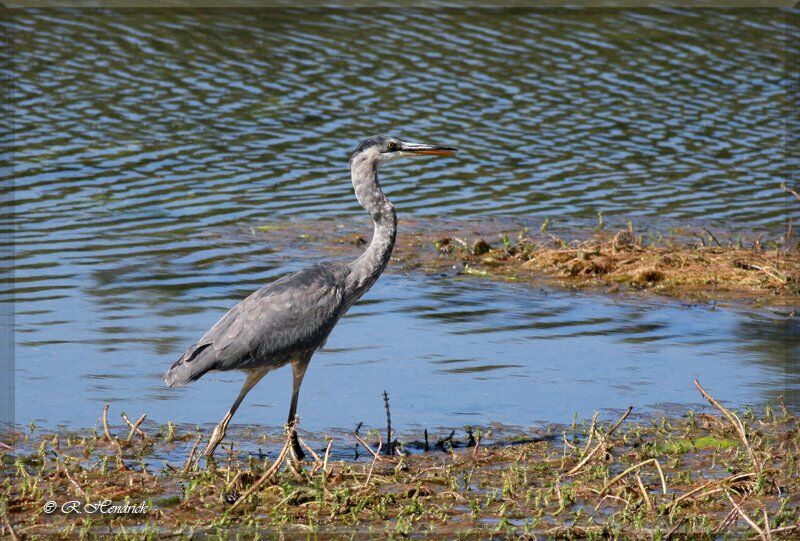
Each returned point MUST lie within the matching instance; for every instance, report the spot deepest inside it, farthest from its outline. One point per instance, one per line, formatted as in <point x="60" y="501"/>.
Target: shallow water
<point x="449" y="351"/>
<point x="149" y="143"/>
<point x="146" y="117"/>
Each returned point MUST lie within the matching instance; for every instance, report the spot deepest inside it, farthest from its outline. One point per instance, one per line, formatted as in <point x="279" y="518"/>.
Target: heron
<point x="288" y="320"/>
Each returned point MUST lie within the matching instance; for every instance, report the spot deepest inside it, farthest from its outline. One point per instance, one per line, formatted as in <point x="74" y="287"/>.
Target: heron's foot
<point x="297" y="451"/>
<point x="216" y="437"/>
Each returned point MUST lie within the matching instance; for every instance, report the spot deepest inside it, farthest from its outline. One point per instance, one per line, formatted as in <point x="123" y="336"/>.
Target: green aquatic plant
<point x="594" y="480"/>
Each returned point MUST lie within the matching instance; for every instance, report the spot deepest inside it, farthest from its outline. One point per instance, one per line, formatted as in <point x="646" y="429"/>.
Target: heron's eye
<point x="391" y="146"/>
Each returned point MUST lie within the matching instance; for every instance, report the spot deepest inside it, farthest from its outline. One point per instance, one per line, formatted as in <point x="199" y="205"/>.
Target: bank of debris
<point x="709" y="474"/>
<point x="683" y="268"/>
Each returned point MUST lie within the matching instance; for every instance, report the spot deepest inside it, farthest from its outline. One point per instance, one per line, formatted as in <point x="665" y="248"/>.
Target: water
<point x="449" y="352"/>
<point x="149" y="143"/>
<point x="144" y="117"/>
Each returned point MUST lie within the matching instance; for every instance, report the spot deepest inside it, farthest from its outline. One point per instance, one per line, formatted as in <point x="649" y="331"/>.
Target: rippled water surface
<point x="149" y="143"/>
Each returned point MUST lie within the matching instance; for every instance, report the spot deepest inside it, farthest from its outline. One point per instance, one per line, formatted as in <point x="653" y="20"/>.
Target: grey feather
<point x="267" y="329"/>
<point x="288" y="319"/>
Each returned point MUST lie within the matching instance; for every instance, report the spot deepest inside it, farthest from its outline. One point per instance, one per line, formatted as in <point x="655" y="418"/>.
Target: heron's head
<point x="379" y="149"/>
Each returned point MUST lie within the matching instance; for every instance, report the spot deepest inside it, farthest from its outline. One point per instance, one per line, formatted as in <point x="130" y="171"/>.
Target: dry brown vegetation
<point x="700" y="476"/>
<point x="706" y="272"/>
<point x="694" y="266"/>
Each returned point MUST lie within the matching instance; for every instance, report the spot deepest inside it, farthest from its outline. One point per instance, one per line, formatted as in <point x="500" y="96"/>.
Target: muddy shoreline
<point x="710" y="474"/>
<point x="691" y="264"/>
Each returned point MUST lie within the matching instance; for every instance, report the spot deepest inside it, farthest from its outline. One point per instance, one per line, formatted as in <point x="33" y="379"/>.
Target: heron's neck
<point x="365" y="270"/>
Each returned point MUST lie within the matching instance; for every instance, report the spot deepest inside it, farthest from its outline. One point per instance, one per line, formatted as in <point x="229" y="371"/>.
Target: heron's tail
<point x="190" y="367"/>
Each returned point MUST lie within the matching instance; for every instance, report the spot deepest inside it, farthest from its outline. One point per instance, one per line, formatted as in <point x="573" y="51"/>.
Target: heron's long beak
<point x="426" y="150"/>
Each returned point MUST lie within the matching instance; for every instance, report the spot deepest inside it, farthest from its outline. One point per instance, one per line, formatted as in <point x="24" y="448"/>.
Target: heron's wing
<point x="289" y="316"/>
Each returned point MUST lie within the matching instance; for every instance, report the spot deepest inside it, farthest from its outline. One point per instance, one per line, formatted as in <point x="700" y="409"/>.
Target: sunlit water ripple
<point x="149" y="143"/>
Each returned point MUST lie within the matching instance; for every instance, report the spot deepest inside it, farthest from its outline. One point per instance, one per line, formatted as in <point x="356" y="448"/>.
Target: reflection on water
<point x="140" y="119"/>
<point x="449" y="352"/>
<point x="149" y="144"/>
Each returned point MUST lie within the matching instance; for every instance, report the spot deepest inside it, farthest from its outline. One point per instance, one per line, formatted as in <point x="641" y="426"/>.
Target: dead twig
<point x="309" y="449"/>
<point x="767" y="530"/>
<point x="371" y="467"/>
<point x="737" y="424"/>
<point x="267" y="474"/>
<point x="477" y="445"/>
<point x="773" y="273"/>
<point x="634" y="468"/>
<point x="729" y="517"/>
<point x="663" y="479"/>
<point x="714" y="483"/>
<point x="390" y="446"/>
<point x="747" y="519"/>
<point x="785" y="529"/>
<point x="229" y="485"/>
<point x="674" y="529"/>
<point x="645" y="495"/>
<point x="358" y="427"/>
<point x="327" y="457"/>
<point x="63" y="467"/>
<point x="788" y="190"/>
<point x="601" y="444"/>
<point x="592" y="429"/>
<point x="710" y="234"/>
<point x="567" y="444"/>
<point x="134" y="428"/>
<point x="367" y="447"/>
<point x="106" y="430"/>
<point x="189" y="460"/>
<point x="613" y="497"/>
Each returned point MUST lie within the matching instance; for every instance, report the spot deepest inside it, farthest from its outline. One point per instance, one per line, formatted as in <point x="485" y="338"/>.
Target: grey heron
<point x="286" y="321"/>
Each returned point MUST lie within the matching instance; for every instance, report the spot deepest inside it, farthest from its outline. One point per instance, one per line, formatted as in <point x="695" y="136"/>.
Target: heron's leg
<point x="298" y="371"/>
<point x="253" y="377"/>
